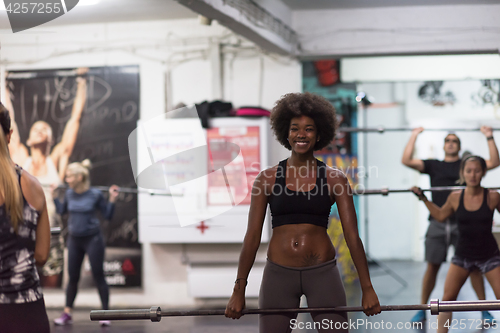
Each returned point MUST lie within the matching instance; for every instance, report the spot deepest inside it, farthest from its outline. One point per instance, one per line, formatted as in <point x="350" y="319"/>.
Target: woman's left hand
<point x="370" y="302"/>
<point x="113" y="192"/>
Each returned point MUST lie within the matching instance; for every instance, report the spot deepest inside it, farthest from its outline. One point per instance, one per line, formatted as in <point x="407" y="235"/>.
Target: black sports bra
<point x="292" y="207"/>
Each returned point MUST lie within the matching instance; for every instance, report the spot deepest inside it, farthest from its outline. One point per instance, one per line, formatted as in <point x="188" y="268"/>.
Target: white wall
<point x="181" y="48"/>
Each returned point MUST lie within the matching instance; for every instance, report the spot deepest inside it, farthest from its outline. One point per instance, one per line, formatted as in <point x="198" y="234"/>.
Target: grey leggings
<point x="283" y="286"/>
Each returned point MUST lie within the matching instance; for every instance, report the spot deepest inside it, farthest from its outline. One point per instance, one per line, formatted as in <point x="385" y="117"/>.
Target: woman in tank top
<point x="300" y="192"/>
<point x="476" y="247"/>
<point x="24" y="242"/>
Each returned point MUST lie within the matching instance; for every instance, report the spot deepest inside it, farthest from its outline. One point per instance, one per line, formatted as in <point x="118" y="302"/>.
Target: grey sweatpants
<point x="282" y="288"/>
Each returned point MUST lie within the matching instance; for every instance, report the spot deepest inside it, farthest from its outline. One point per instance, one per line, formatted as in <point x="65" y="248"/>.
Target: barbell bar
<point x="385" y="191"/>
<point x="127" y="190"/>
<point x="155" y="313"/>
<point x="382" y="129"/>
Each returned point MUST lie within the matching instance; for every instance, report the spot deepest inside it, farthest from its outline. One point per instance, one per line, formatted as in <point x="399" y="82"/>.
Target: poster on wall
<point x="466" y="100"/>
<point x="68" y="115"/>
<point x="247" y="139"/>
<point x="348" y="164"/>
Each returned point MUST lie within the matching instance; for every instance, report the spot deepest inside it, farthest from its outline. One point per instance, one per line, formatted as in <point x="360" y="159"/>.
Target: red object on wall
<point x="327" y="72"/>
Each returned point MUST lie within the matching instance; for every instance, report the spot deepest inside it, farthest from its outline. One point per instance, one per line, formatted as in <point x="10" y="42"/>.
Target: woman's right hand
<point x="418" y="192"/>
<point x="235" y="305"/>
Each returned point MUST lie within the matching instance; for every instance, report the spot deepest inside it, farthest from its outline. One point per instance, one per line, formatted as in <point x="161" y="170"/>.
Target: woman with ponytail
<point x="24" y="242"/>
<point x="81" y="202"/>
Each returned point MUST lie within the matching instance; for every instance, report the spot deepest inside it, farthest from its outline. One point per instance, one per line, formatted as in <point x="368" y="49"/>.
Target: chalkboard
<point x="110" y="114"/>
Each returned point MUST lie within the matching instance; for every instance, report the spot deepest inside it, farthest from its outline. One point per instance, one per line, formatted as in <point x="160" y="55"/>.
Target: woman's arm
<point x="251" y="243"/>
<point x="63" y="150"/>
<point x="440" y="214"/>
<point x="349" y="223"/>
<point x="33" y="192"/>
<point x="107" y="208"/>
<point x="18" y="151"/>
<point x="498" y="204"/>
<point x="61" y="207"/>
<point x="42" y="245"/>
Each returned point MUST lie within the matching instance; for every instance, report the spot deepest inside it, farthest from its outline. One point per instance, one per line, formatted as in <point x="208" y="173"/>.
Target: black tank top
<point x="294" y="207"/>
<point x="475" y="239"/>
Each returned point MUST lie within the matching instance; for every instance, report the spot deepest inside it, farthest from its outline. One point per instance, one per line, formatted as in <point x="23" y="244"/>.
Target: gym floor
<point x="389" y="290"/>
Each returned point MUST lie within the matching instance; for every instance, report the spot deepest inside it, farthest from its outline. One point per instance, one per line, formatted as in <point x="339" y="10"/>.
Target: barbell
<point x="127" y="190"/>
<point x="385" y="190"/>
<point x="155" y="313"/>
<point x="382" y="129"/>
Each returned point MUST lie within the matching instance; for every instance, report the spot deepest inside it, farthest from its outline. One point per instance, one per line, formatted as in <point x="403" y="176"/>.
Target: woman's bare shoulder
<point x="494" y="195"/>
<point x="32" y="190"/>
<point x="266" y="177"/>
<point x="335" y="175"/>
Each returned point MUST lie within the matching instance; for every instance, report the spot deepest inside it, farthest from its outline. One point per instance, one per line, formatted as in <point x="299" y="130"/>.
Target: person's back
<point x="20" y="290"/>
<point x="19" y="281"/>
<point x="24" y="241"/>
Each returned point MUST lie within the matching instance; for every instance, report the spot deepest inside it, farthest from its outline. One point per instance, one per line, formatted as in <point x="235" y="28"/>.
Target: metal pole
<point x="382" y="129"/>
<point x="365" y="180"/>
<point x="155" y="313"/>
<point x="386" y="191"/>
<point x="129" y="190"/>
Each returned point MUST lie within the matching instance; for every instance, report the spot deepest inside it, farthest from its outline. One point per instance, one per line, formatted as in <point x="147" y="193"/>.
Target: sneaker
<point x="419" y="317"/>
<point x="65" y="319"/>
<point x="488" y="318"/>
<point x="105" y="323"/>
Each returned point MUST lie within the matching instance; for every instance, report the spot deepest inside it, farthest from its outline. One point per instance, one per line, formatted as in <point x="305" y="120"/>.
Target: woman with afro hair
<point x="300" y="192"/>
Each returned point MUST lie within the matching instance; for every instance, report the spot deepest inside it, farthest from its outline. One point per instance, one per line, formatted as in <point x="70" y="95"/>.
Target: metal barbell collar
<point x="55" y="230"/>
<point x="155" y="313"/>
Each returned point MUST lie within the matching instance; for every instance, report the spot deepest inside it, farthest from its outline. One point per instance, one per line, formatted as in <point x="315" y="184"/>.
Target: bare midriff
<point x="300" y="245"/>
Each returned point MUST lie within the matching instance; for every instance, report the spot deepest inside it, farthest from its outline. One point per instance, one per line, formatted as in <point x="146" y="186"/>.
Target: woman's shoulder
<point x="335" y="175"/>
<point x="455" y="195"/>
<point x="493" y="194"/>
<point x="266" y="177"/>
<point x="32" y="190"/>
<point x="269" y="172"/>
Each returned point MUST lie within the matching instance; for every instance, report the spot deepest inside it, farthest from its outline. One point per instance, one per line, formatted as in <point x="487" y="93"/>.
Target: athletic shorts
<point x="439" y="237"/>
<point x="484" y="265"/>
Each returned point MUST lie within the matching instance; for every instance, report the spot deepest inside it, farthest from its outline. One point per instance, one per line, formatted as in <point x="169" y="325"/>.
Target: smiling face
<point x="451" y="145"/>
<point x="472" y="172"/>
<point x="302" y="134"/>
